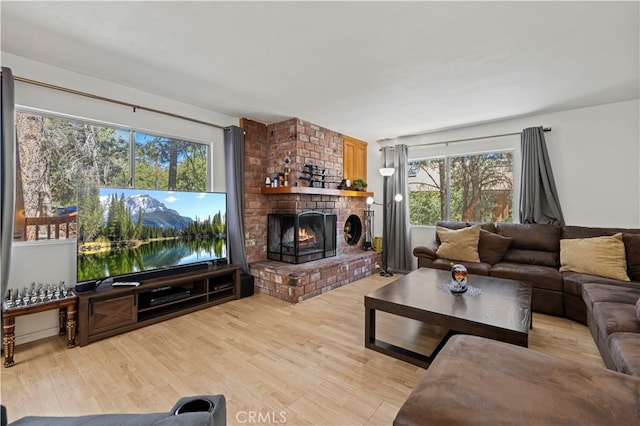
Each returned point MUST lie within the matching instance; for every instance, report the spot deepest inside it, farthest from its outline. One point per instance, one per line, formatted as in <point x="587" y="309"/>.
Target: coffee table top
<point x="503" y="307"/>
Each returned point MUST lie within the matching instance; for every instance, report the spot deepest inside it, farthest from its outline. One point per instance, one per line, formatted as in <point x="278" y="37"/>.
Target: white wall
<point x="595" y="157"/>
<point x="54" y="261"/>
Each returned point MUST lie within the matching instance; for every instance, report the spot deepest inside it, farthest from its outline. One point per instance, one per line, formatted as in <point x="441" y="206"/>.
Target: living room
<point x="594" y="154"/>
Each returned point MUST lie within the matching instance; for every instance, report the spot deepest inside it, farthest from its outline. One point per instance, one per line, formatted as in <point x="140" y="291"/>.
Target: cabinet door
<point x="108" y="314"/>
<point x="354" y="159"/>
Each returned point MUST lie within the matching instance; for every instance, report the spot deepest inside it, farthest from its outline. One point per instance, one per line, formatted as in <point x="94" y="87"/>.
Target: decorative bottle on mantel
<point x="267" y="182"/>
<point x="287" y="171"/>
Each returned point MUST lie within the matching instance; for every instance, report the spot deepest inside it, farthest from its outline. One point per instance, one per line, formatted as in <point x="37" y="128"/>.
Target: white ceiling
<point x="372" y="70"/>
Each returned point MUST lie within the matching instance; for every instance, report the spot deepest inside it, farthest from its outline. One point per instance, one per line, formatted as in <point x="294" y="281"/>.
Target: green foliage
<point x="164" y="163"/>
<point x="424" y="207"/>
<point x="119" y="225"/>
<point x="359" y="184"/>
<point x="90" y="221"/>
<point x="209" y="228"/>
<point x="480" y="189"/>
<point x="79" y="155"/>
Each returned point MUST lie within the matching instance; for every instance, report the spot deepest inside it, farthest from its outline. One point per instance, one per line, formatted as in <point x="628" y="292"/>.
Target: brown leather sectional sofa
<point x="477" y="380"/>
<point x="533" y="255"/>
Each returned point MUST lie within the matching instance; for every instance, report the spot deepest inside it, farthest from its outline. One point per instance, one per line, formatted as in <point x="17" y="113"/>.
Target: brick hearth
<point x="295" y="283"/>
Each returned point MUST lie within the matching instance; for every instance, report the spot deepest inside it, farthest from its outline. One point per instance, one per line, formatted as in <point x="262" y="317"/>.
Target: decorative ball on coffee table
<point x="458" y="282"/>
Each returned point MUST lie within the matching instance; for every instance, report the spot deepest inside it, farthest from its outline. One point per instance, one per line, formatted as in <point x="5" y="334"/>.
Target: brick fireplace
<point x="266" y="148"/>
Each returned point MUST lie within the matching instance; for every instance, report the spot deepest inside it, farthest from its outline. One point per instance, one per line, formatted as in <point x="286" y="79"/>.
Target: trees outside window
<point x="471" y="188"/>
<point x="166" y="163"/>
<point x="58" y="157"/>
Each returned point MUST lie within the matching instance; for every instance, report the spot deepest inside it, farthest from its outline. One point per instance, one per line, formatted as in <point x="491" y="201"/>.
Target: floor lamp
<point x="386" y="173"/>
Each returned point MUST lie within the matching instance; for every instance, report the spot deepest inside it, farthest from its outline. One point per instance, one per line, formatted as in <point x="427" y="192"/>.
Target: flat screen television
<point x="133" y="233"/>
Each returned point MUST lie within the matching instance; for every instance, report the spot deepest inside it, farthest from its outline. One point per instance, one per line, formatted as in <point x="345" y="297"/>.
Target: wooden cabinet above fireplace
<point x="354" y="158"/>
<point x="314" y="191"/>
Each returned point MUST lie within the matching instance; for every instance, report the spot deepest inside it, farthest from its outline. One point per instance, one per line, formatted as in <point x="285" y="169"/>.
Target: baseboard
<point x="37" y="335"/>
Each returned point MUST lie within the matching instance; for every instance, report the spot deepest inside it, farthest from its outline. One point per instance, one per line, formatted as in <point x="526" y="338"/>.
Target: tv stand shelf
<point x="108" y="311"/>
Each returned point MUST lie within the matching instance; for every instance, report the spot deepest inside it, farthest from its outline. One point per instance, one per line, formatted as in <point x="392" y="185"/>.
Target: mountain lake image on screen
<point x="125" y="232"/>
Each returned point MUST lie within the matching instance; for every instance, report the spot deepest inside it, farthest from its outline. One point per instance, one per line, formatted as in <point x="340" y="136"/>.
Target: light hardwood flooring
<point x="302" y="364"/>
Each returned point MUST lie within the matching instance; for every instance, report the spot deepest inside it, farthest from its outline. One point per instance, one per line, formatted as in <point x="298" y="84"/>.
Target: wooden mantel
<point x="314" y="191"/>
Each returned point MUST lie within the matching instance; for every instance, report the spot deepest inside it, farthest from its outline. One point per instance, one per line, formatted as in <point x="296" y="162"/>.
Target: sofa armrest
<point x="426" y="254"/>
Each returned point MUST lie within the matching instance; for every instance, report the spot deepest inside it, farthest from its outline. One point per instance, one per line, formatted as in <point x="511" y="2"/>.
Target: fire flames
<point x="303" y="235"/>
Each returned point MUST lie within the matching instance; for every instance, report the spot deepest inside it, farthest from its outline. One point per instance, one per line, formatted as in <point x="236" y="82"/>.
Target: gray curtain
<point x="234" y="174"/>
<point x="397" y="218"/>
<point x="7" y="175"/>
<point x="539" y="202"/>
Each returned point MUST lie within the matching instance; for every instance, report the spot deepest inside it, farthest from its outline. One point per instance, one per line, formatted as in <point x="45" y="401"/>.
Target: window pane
<point x="482" y="187"/>
<point x="474" y="188"/>
<point x="427" y="191"/>
<point x="56" y="157"/>
<point x="165" y="163"/>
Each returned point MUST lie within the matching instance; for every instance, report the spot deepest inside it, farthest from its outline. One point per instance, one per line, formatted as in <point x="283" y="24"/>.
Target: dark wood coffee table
<point x="501" y="312"/>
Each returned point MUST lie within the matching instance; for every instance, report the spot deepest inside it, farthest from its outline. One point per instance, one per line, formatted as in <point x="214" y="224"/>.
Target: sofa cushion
<point x="614" y="317"/>
<point x="531" y="257"/>
<point x="573" y="282"/>
<point x="487" y="226"/>
<point x="625" y="352"/>
<point x="631" y="238"/>
<point x="460" y="244"/>
<point x="544" y="277"/>
<point x="530" y="236"/>
<point x="601" y="256"/>
<point x="533" y="244"/>
<point x="492" y="246"/>
<point x="632" y="250"/>
<point x="449" y="225"/>
<point x="594" y="293"/>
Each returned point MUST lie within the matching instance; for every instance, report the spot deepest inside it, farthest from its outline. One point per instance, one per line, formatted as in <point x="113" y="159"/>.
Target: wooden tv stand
<point x="111" y="310"/>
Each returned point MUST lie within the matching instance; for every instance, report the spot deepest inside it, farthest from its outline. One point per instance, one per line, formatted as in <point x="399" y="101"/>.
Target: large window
<point x="60" y="156"/>
<point x="472" y="188"/>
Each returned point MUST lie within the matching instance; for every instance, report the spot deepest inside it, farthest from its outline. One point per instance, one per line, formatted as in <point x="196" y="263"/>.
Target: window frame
<point x="492" y="145"/>
<point x="131" y="131"/>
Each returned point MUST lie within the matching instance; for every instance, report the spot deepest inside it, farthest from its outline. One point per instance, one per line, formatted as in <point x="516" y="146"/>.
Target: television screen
<point x="125" y="231"/>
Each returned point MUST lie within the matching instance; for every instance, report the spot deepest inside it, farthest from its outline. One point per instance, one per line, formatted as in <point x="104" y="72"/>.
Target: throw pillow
<point x="638" y="308"/>
<point x="632" y="249"/>
<point x="459" y="244"/>
<point x="492" y="246"/>
<point x="601" y="256"/>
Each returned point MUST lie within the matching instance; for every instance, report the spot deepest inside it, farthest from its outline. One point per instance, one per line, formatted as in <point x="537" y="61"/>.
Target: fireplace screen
<point x="302" y="237"/>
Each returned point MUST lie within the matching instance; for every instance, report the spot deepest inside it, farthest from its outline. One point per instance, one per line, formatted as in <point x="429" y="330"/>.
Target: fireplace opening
<point x="352" y="230"/>
<point x="302" y="237"/>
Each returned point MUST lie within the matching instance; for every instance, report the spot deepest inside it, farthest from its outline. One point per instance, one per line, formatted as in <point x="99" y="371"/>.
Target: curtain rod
<point x="114" y="101"/>
<point x="545" y="129"/>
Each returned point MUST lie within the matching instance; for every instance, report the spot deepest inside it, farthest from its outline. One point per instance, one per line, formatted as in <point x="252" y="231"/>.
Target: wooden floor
<point x="301" y="364"/>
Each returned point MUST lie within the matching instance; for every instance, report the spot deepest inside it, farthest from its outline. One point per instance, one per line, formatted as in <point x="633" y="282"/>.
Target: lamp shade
<point x="387" y="171"/>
